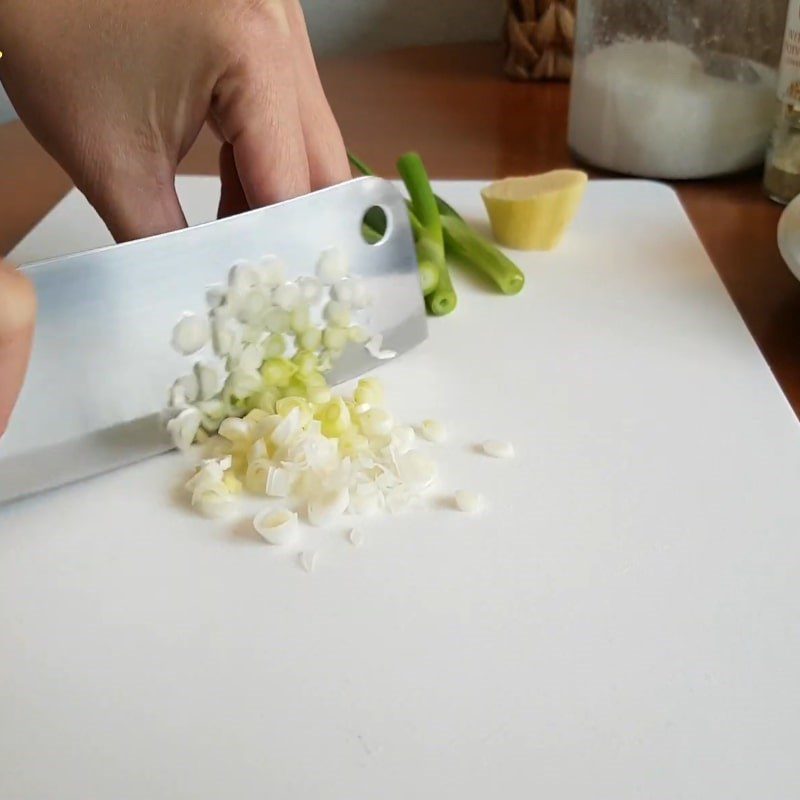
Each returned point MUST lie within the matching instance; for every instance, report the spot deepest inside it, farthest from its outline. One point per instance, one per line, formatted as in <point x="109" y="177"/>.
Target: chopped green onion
<point x="433" y="431"/>
<point x="277" y="426"/>
<point x="257" y="473"/>
<point x="369" y="391"/>
<point x="342" y="291"/>
<point x="468" y="502"/>
<point x="276" y="320"/>
<point x="279" y="482"/>
<point x="360" y="296"/>
<point x="375" y="348"/>
<point x="253" y="334"/>
<point x="253" y="306"/>
<point x="417" y="470"/>
<point x="276" y="526"/>
<point x="258" y="449"/>
<point x="275" y="345"/>
<point x="337" y="313"/>
<point x="250" y="359"/>
<point x="232" y="483"/>
<point x="352" y="444"/>
<point x="213" y="500"/>
<point x="243" y="276"/>
<point x="318" y="395"/>
<point x="278" y="372"/>
<point x="216" y="296"/>
<point x="296" y="388"/>
<point x="265" y="400"/>
<point x="286" y="405"/>
<point x="403" y="439"/>
<point x="184" y="391"/>
<point x="235" y="430"/>
<point x="335" y="338"/>
<point x="257" y="419"/>
<point x="358" y="335"/>
<point x="287" y="428"/>
<point x="376" y="422"/>
<point x="301" y="319"/>
<point x="310" y="289"/>
<point x="225" y="336"/>
<point x="314" y="379"/>
<point x="184" y="428"/>
<point x="271" y="271"/>
<point x="328" y="507"/>
<point x="310" y="339"/>
<point x="498" y="449"/>
<point x="287" y="296"/>
<point x="190" y="334"/>
<point x="213" y="412"/>
<point x="241" y="384"/>
<point x="306" y="362"/>
<point x="332" y="266"/>
<point x="335" y="418"/>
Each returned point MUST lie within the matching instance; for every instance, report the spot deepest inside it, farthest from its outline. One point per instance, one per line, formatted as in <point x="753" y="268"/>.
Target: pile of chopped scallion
<point x="262" y="411"/>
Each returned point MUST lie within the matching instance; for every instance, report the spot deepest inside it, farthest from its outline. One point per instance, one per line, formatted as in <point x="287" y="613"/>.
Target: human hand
<point x="17" y="313"/>
<point x="118" y="90"/>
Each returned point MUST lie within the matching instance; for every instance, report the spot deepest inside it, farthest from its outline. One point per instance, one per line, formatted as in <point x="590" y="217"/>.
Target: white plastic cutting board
<point x="621" y="622"/>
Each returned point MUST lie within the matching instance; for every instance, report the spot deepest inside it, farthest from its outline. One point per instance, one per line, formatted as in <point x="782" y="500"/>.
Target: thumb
<point x="17" y="317"/>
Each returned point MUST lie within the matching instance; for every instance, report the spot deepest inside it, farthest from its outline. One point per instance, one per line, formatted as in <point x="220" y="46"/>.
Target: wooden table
<point x="452" y="104"/>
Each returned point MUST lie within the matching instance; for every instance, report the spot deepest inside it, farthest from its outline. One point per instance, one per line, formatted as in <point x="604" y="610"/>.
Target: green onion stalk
<point x="442" y="298"/>
<point x="427" y="254"/>
<point x="466" y="246"/>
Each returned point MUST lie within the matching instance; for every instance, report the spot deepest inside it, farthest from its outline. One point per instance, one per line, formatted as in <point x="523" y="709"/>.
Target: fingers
<point x="326" y="153"/>
<point x="256" y="110"/>
<point x="17" y="316"/>
<point x="139" y="204"/>
<point x="232" y="199"/>
<point x="272" y="109"/>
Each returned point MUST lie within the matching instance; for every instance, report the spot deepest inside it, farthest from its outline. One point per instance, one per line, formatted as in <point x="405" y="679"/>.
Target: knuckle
<point x="253" y="19"/>
<point x="254" y="37"/>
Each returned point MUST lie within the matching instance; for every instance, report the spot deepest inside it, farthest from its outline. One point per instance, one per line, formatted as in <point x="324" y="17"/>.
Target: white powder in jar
<point x="652" y="109"/>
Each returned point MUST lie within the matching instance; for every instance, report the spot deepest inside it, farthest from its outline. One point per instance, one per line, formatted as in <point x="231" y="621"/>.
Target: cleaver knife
<point x="102" y="363"/>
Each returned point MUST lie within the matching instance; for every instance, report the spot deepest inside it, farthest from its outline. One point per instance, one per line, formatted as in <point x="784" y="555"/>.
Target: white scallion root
<point x="498" y="449"/>
<point x="276" y="525"/>
<point x="468" y="502"/>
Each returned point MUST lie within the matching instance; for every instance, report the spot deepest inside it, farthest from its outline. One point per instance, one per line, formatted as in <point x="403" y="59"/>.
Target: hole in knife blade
<point x="375" y="225"/>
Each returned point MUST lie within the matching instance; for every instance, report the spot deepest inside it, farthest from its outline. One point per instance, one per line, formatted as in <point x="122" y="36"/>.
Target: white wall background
<point x="358" y="25"/>
<point x="338" y="25"/>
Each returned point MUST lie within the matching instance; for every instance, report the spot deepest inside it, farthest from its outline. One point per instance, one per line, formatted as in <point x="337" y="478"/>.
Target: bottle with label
<point x="782" y="172"/>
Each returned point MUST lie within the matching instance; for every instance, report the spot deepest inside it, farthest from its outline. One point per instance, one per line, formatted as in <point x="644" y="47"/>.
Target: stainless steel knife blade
<point x="102" y="365"/>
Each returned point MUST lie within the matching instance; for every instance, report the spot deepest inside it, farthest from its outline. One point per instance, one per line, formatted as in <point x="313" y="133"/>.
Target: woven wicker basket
<point x="539" y="36"/>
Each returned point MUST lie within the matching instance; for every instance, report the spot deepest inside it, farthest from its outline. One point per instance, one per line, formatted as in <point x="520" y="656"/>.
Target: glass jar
<point x="782" y="170"/>
<point x="675" y="88"/>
